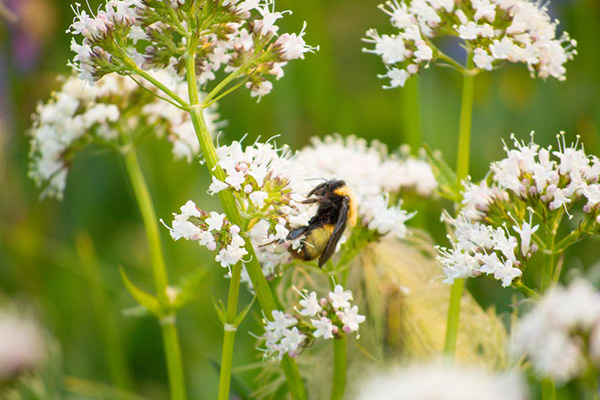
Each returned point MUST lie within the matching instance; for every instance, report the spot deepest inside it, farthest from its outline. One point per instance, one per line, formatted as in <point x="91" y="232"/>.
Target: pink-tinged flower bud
<point x="347" y="329"/>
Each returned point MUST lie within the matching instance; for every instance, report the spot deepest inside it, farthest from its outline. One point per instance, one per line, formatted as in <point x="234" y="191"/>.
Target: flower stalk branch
<point x="339" y="367"/>
<point x="462" y="171"/>
<point x="263" y="292"/>
<point x="168" y="322"/>
<point x="229" y="333"/>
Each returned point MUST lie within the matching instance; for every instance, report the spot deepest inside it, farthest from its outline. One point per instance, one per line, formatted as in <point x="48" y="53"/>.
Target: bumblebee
<point x="337" y="208"/>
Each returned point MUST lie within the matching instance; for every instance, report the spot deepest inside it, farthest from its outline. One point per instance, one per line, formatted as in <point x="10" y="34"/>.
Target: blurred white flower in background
<point x="442" y="381"/>
<point x="561" y="333"/>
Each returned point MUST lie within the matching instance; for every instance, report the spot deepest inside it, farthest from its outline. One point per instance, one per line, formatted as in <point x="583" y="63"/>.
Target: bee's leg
<point x="310" y="201"/>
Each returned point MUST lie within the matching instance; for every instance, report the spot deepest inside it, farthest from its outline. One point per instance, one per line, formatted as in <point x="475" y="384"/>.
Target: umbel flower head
<point x="510" y="215"/>
<point x="270" y="185"/>
<point x="323" y="318"/>
<point x="232" y="35"/>
<point x="494" y="31"/>
<point x="440" y="380"/>
<point x="561" y="333"/>
<point x="116" y="112"/>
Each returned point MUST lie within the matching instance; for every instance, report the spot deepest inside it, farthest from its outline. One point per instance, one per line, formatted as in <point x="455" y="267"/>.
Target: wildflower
<point x="442" y="381"/>
<point x="270" y="184"/>
<point x="340" y="298"/>
<point x="311" y="305"/>
<point x="491" y="232"/>
<point x="79" y="114"/>
<point x="239" y="37"/>
<point x="559" y="335"/>
<point x="519" y="31"/>
<point x="285" y="334"/>
<point x="22" y="345"/>
<point x="211" y="230"/>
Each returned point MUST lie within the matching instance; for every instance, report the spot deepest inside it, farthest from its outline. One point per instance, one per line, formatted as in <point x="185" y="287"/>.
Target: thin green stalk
<point x="548" y="390"/>
<point x="456" y="293"/>
<point x="339" y="367"/>
<point x="117" y="366"/>
<point x="547" y="274"/>
<point x="168" y="323"/>
<point x="464" y="133"/>
<point x="261" y="287"/>
<point x="131" y="64"/>
<point x="229" y="333"/>
<point x="462" y="170"/>
<point x="409" y="114"/>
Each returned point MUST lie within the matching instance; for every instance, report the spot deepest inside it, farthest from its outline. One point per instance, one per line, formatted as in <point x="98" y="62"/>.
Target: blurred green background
<point x="334" y="90"/>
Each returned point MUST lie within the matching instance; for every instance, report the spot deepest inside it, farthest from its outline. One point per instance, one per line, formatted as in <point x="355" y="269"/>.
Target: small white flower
<point x="258" y="198"/>
<point x="340" y="298"/>
<point x="216" y="186"/>
<point x="482" y="59"/>
<point x="352" y="319"/>
<point x="324" y="328"/>
<point x="311" y="305"/>
<point x="215" y="221"/>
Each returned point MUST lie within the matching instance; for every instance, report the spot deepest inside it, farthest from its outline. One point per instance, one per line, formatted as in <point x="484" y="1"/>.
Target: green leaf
<point x="220" y="308"/>
<point x="449" y="186"/>
<point x="147" y="300"/>
<point x="190" y="289"/>
<point x="240" y="317"/>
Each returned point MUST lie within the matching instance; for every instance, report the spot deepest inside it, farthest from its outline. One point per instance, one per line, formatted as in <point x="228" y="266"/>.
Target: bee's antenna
<point x="316" y="179"/>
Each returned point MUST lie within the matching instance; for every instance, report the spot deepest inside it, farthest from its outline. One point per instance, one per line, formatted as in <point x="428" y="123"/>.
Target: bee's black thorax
<point x="329" y="209"/>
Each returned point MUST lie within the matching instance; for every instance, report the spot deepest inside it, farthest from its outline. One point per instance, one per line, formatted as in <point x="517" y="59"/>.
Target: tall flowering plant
<point x="492" y="32"/>
<point x="158" y="68"/>
<point x="162" y="51"/>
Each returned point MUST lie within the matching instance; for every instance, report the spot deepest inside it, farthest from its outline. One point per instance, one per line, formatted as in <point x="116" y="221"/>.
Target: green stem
<point x="117" y="366"/>
<point x="410" y="119"/>
<point x="462" y="171"/>
<point x="464" y="133"/>
<point x="547" y="274"/>
<point x="339" y="367"/>
<point x="453" y="316"/>
<point x="229" y="333"/>
<point x="261" y="287"/>
<point x="131" y="64"/>
<point x="548" y="389"/>
<point x="169" y="329"/>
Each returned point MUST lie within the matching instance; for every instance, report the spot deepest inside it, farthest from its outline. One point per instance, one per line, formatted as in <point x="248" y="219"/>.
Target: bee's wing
<point x="296" y="233"/>
<point x="338" y="231"/>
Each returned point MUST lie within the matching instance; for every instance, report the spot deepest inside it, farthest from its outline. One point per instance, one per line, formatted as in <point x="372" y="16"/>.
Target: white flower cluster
<point x="558" y="179"/>
<point x="325" y="318"/>
<point x="270" y="185"/>
<point x="561" y="334"/>
<point x="23" y="345"/>
<point x="517" y="31"/>
<point x="268" y="190"/>
<point x="495" y="232"/>
<point x="235" y="34"/>
<point x="478" y="249"/>
<point x="211" y="230"/>
<point x="79" y="114"/>
<point x="442" y="381"/>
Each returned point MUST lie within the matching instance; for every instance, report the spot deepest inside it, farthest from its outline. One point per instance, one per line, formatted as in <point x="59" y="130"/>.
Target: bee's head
<point x="326" y="187"/>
